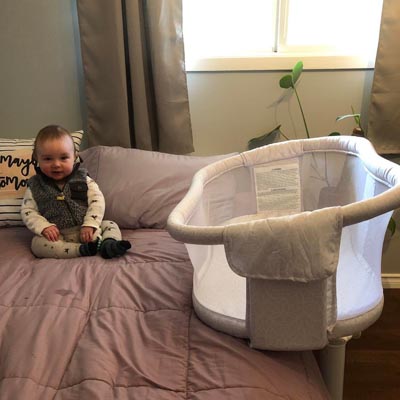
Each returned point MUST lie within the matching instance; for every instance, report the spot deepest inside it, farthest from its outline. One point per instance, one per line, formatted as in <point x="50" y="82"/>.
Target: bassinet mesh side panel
<point x="224" y="198"/>
<point x="326" y="179"/>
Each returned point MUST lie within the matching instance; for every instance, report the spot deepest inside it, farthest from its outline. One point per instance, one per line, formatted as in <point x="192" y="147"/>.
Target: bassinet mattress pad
<point x="90" y="328"/>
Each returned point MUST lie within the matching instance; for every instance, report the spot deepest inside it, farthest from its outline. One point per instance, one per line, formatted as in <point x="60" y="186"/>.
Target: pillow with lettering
<point x="16" y="167"/>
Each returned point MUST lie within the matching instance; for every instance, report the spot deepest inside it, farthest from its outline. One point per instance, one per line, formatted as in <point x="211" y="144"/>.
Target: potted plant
<point x="276" y="135"/>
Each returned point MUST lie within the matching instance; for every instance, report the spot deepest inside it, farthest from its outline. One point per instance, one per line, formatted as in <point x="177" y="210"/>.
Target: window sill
<point x="277" y="62"/>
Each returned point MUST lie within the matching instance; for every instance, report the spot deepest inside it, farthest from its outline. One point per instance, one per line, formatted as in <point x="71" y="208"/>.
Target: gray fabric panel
<point x="101" y="35"/>
<point x="135" y="79"/>
<point x="165" y="35"/>
<point x="384" y="114"/>
<point x="285" y="315"/>
<point x="301" y="247"/>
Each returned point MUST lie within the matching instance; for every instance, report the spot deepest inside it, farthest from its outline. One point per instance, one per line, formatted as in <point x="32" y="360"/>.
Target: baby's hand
<point x="86" y="234"/>
<point x="51" y="233"/>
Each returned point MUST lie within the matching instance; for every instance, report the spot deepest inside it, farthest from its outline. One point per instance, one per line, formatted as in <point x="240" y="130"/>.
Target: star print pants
<point x="68" y="244"/>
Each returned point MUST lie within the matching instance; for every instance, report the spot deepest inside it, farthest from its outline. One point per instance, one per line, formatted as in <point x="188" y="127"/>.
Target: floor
<point x="373" y="361"/>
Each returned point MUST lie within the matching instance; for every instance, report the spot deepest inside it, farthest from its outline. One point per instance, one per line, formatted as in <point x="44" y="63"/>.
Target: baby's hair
<point x="50" y="132"/>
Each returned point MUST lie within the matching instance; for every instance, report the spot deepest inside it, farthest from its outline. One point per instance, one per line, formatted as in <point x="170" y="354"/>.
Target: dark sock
<point x="88" y="249"/>
<point x="111" y="248"/>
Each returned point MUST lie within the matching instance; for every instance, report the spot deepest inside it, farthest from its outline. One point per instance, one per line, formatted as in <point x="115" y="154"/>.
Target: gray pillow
<point x="141" y="187"/>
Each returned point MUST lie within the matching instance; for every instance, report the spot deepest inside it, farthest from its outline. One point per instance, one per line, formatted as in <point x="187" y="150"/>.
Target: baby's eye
<point x="47" y="159"/>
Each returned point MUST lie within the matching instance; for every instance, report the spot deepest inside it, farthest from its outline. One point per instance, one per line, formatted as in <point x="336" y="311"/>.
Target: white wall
<point x="40" y="69"/>
<point x="228" y="109"/>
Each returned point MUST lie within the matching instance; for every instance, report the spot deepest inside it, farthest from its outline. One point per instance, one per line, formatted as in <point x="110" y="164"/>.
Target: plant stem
<point x="284" y="135"/>
<point x="302" y="113"/>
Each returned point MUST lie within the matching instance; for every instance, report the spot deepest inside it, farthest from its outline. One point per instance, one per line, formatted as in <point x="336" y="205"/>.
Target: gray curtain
<point x="135" y="79"/>
<point x="384" y="111"/>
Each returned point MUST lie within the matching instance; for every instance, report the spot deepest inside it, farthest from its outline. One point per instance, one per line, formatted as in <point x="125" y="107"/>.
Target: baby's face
<point x="56" y="157"/>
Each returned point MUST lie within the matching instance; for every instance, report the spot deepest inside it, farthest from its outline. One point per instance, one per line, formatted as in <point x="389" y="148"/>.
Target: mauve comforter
<point x="90" y="328"/>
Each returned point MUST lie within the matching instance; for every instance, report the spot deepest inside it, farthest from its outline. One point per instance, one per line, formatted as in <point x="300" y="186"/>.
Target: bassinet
<point x="286" y="243"/>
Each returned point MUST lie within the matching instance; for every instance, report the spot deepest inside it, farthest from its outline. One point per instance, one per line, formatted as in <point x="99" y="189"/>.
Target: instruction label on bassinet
<point x="278" y="188"/>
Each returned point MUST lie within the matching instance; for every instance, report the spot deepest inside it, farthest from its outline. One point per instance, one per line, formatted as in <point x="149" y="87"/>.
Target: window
<point x="273" y="34"/>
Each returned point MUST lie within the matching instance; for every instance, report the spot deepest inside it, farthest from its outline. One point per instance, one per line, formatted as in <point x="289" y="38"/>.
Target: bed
<point x="90" y="328"/>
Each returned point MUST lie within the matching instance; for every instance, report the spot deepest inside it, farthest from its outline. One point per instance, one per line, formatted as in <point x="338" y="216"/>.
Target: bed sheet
<point x="90" y="328"/>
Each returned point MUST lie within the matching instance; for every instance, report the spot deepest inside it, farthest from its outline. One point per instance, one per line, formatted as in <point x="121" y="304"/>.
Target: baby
<point x="63" y="206"/>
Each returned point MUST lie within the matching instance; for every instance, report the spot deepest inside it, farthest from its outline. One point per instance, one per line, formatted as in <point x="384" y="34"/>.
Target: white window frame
<point x="317" y="59"/>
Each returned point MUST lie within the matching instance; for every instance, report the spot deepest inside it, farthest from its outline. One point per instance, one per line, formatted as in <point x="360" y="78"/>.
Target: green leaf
<point x="392" y="226"/>
<point x="271" y="137"/>
<point x="357" y="117"/>
<point x="286" y="82"/>
<point x="296" y="72"/>
<point x="334" y="134"/>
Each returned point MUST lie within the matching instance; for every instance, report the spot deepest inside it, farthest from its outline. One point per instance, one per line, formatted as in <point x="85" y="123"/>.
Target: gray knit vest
<point x="66" y="208"/>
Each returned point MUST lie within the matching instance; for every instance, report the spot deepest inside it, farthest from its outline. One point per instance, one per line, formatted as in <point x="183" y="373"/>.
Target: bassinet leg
<point x="331" y="360"/>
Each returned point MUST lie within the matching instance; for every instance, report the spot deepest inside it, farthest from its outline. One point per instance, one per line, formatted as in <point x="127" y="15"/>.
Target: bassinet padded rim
<point x="224" y="323"/>
<point x="383" y="170"/>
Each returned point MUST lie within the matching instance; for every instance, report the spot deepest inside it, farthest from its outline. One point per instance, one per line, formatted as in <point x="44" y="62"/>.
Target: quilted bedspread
<point x="90" y="328"/>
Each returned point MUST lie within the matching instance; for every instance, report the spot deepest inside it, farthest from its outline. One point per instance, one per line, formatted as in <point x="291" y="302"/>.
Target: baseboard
<point x="391" y="281"/>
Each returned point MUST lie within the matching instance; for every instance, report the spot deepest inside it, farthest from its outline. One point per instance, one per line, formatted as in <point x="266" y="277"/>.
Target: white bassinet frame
<point x="329" y="326"/>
